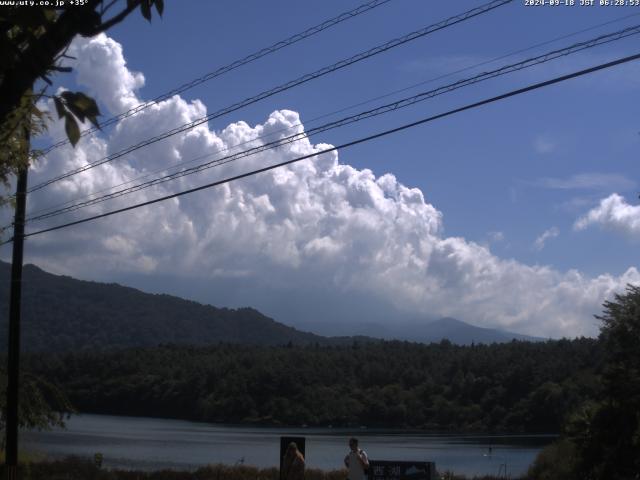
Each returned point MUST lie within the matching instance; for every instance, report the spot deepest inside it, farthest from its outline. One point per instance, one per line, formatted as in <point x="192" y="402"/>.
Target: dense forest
<point x="588" y="390"/>
<point x="517" y="386"/>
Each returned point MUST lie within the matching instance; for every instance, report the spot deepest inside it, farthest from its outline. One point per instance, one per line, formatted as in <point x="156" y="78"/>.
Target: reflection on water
<point x="150" y="443"/>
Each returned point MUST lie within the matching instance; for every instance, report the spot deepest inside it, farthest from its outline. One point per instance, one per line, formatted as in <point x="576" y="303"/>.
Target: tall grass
<point x="24" y="456"/>
<point x="77" y="468"/>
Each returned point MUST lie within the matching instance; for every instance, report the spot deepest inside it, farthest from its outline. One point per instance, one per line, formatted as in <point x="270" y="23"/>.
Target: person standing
<point x="293" y="463"/>
<point x="356" y="461"/>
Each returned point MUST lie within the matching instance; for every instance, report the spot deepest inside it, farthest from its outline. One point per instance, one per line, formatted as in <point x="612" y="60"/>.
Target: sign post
<point x="401" y="470"/>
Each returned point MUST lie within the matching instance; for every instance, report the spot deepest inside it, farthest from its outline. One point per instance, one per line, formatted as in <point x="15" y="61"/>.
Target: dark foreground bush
<point x="555" y="462"/>
<point x="77" y="468"/>
<point x="453" y="476"/>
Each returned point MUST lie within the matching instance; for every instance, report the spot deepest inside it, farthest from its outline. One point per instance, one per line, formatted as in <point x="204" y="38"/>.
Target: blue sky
<point x="486" y="170"/>
<point x="507" y="183"/>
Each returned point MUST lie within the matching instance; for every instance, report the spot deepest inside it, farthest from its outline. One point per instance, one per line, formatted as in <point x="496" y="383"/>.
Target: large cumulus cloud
<point x="318" y="225"/>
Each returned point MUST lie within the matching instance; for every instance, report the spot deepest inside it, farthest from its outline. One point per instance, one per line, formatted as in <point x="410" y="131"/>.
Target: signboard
<point x="284" y="443"/>
<point x="400" y="470"/>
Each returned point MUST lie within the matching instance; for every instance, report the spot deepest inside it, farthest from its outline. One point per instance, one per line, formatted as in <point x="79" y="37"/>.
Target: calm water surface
<point x="150" y="443"/>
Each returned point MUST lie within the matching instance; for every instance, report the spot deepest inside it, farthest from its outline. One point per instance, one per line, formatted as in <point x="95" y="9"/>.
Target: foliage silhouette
<point x="33" y="45"/>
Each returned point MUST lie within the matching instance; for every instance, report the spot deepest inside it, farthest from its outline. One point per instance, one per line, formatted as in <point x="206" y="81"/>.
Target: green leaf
<point x="72" y="129"/>
<point x="59" y="106"/>
<point x="68" y="96"/>
<point x="50" y="14"/>
<point x="76" y="111"/>
<point x="82" y="106"/>
<point x="94" y="120"/>
<point x="145" y="8"/>
<point x="85" y="103"/>
<point x="159" y="6"/>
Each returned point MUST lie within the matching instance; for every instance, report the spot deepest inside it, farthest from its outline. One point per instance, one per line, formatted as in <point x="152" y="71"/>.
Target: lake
<point x="151" y="443"/>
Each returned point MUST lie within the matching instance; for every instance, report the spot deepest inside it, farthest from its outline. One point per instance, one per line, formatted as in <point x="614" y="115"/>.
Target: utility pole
<point x="13" y="368"/>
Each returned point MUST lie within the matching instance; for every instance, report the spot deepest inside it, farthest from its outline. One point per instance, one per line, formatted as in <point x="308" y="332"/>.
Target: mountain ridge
<point x="61" y="313"/>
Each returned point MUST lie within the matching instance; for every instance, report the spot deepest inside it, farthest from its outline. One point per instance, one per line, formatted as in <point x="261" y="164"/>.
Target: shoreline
<point x="334" y="429"/>
<point x="144" y="443"/>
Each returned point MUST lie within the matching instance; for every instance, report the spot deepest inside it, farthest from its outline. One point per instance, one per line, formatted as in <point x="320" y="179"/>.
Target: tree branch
<point x="39" y="56"/>
<point x="115" y="20"/>
<point x="106" y="9"/>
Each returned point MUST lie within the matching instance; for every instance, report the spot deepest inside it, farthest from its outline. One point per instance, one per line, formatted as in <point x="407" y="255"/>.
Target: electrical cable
<point x="293" y="83"/>
<point x="402" y="103"/>
<point x="365" y="7"/>
<point x="350" y="107"/>
<point x="471" y="67"/>
<point x="345" y="145"/>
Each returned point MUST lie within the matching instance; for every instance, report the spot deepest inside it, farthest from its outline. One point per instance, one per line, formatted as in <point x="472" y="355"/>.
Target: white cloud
<point x="588" y="181"/>
<point x="544" y="145"/>
<point x="613" y="213"/>
<point x="496" y="237"/>
<point x="314" y="226"/>
<point x="552" y="232"/>
<point x="101" y="67"/>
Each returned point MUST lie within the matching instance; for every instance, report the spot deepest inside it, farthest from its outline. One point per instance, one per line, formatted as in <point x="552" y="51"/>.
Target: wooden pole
<point x="13" y="367"/>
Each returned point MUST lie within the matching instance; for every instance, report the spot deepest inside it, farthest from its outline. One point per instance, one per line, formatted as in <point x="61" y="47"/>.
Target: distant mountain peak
<point x="61" y="313"/>
<point x="464" y="333"/>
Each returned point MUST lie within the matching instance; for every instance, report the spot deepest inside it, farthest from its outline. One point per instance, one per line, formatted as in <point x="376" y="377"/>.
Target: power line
<point x="402" y="103"/>
<point x="476" y="65"/>
<point x="365" y="7"/>
<point x="346" y="145"/>
<point x="286" y="86"/>
<point x="350" y="107"/>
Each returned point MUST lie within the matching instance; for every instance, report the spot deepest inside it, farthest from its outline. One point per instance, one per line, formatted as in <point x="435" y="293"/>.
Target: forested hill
<point x="60" y="313"/>
<point x="516" y="386"/>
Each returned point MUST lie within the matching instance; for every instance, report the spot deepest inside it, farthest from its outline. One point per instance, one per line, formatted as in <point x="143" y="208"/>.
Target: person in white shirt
<point x="356" y="461"/>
